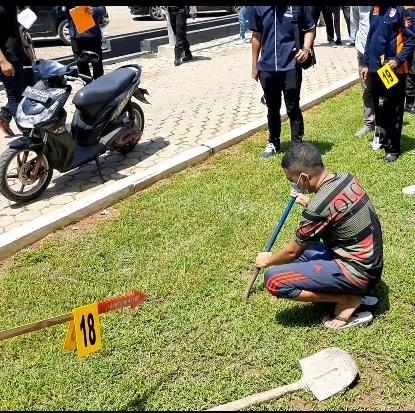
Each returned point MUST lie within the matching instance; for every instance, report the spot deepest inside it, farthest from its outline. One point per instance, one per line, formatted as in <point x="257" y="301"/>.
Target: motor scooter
<point x="105" y="119"/>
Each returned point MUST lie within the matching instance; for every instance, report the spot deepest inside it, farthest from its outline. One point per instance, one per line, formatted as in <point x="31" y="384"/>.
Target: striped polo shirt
<point x="343" y="217"/>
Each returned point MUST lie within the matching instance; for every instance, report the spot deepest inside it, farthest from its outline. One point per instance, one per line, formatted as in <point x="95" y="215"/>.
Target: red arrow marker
<point x="133" y="299"/>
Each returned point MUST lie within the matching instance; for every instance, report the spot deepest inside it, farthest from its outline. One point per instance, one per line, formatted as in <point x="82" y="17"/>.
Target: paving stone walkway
<point x="192" y="103"/>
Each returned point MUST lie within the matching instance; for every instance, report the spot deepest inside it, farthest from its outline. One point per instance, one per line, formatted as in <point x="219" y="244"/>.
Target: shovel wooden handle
<point x="251" y="283"/>
<point x="259" y="397"/>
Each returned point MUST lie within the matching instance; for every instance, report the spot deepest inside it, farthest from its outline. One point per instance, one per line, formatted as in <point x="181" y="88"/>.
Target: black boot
<point x="187" y="56"/>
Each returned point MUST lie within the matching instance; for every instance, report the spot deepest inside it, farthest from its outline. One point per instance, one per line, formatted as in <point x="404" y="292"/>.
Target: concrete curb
<point x="25" y="235"/>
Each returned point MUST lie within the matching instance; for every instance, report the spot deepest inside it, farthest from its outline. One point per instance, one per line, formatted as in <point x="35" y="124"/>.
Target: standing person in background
<point x="327" y="12"/>
<point x="90" y="40"/>
<point x="15" y="53"/>
<point x="359" y="24"/>
<point x="243" y="24"/>
<point x="178" y="21"/>
<point x="278" y="69"/>
<point x="410" y="86"/>
<point x="346" y="15"/>
<point x="391" y="41"/>
<point x="334" y="12"/>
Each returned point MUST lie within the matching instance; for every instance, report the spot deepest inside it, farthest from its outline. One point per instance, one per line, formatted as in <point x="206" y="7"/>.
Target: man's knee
<point x="278" y="285"/>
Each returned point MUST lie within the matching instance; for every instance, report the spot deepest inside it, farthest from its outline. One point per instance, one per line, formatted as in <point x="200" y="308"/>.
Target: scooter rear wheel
<point x="136" y="116"/>
<point x="18" y="172"/>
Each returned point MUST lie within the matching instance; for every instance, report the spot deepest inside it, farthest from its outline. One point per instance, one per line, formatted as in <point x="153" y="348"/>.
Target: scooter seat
<point x="93" y="97"/>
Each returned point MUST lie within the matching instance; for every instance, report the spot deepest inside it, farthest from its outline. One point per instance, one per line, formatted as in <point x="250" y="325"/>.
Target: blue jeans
<point x="243" y="22"/>
<point x="14" y="87"/>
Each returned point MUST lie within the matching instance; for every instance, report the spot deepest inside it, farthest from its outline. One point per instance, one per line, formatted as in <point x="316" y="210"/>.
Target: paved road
<point x="121" y="22"/>
<point x="189" y="105"/>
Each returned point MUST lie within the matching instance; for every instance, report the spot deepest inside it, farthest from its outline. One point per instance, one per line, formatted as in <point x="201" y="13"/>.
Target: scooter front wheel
<point x="24" y="174"/>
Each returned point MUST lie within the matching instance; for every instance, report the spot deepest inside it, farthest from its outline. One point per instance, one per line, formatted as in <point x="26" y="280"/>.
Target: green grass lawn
<point x="190" y="243"/>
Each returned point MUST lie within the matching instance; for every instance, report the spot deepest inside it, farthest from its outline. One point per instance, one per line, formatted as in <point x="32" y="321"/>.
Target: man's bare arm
<point x="256" y="48"/>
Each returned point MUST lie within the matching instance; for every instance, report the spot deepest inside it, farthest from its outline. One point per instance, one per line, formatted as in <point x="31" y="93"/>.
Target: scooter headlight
<point x="29" y="121"/>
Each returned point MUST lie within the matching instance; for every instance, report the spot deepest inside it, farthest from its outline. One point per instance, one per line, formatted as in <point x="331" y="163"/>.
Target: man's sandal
<point x="356" y="319"/>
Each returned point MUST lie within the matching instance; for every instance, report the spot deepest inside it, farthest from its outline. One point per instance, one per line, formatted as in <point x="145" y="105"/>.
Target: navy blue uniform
<point x="90" y="40"/>
<point x="277" y="35"/>
<point x="391" y="36"/>
<point x="277" y="67"/>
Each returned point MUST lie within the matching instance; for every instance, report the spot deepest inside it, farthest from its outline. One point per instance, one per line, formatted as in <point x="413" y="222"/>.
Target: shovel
<point x="270" y="244"/>
<point x="324" y="373"/>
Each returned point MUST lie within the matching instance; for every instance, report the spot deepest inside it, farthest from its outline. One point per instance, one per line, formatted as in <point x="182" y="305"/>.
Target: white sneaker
<point x="375" y="144"/>
<point x="409" y="190"/>
<point x="240" y="41"/>
<point x="269" y="151"/>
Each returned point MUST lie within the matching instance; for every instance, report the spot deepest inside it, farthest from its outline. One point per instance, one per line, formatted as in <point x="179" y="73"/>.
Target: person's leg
<point x="336" y="19"/>
<point x="78" y="45"/>
<point x="410" y="93"/>
<point x="315" y="12"/>
<point x="346" y="14"/>
<point x="410" y="86"/>
<point x="367" y="98"/>
<point x="14" y="87"/>
<point x="177" y="50"/>
<point x="98" y="68"/>
<point x="393" y="112"/>
<point x="328" y="18"/>
<point x="292" y="87"/>
<point x="316" y="280"/>
<point x="378" y="93"/>
<point x="272" y="85"/>
<point x="182" y="44"/>
<point x="242" y="22"/>
<point x="186" y="45"/>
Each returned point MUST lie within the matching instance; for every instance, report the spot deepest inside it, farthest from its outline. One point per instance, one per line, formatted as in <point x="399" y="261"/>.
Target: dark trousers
<point x="178" y="21"/>
<point x="331" y="16"/>
<point x="410" y="81"/>
<point x="93" y="45"/>
<point x="410" y="89"/>
<point x="389" y="110"/>
<point x="14" y="87"/>
<point x="346" y="14"/>
<point x="289" y="83"/>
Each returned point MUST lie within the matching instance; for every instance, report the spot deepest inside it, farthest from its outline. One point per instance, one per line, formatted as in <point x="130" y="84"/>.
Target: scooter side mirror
<point x="88" y="56"/>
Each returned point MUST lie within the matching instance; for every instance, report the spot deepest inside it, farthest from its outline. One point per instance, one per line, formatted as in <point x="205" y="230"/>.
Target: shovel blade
<point x="327" y="372"/>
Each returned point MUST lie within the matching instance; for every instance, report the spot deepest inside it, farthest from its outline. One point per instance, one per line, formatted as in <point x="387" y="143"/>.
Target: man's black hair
<point x="303" y="157"/>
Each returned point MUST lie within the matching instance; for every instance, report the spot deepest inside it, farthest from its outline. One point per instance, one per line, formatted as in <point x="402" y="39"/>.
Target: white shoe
<point x="375" y="143"/>
<point x="240" y="41"/>
<point x="409" y="190"/>
<point x="269" y="151"/>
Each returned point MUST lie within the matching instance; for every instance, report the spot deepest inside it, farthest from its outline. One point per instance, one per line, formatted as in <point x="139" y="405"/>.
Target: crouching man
<point x="337" y="253"/>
